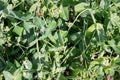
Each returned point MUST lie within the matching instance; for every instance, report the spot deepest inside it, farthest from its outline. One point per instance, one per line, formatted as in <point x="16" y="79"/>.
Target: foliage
<point x="59" y="39"/>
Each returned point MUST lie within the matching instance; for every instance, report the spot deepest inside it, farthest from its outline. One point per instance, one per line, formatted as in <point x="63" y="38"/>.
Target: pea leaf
<point x="33" y="7"/>
<point x="18" y="74"/>
<point x="2" y="41"/>
<point x="64" y="13"/>
<point x="8" y="75"/>
<point x="104" y="4"/>
<point x="99" y="30"/>
<point x="18" y="30"/>
<point x="81" y="6"/>
<point x="52" y="25"/>
<point x="27" y="75"/>
<point x="28" y="26"/>
<point x="27" y="64"/>
<point x="1" y="78"/>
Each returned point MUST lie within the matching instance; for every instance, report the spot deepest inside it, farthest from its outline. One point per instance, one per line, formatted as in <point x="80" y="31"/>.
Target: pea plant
<point x="59" y="39"/>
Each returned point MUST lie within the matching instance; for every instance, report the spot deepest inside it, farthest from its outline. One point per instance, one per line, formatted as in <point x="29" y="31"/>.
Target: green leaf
<point x="18" y="30"/>
<point x="93" y="27"/>
<point x="18" y="74"/>
<point x="93" y="64"/>
<point x="27" y="75"/>
<point x="2" y="41"/>
<point x="38" y="22"/>
<point x="66" y="2"/>
<point x="46" y="2"/>
<point x="9" y="8"/>
<point x="117" y="50"/>
<point x="28" y="26"/>
<point x="63" y="33"/>
<point x="101" y="73"/>
<point x="81" y="6"/>
<point x="75" y="72"/>
<point x="61" y="69"/>
<point x="25" y="17"/>
<point x="1" y="78"/>
<point x="30" y="2"/>
<point x="62" y="77"/>
<point x="16" y="63"/>
<point x="11" y="66"/>
<point x="117" y="61"/>
<point x="64" y="13"/>
<point x="60" y="38"/>
<point x="52" y="25"/>
<point x="7" y="75"/>
<point x="2" y="63"/>
<point x="1" y="5"/>
<point x="114" y="46"/>
<point x="112" y="72"/>
<point x="32" y="43"/>
<point x="104" y="4"/>
<point x="115" y="19"/>
<point x="27" y="64"/>
<point x="90" y="30"/>
<point x="33" y="7"/>
<point x="52" y="38"/>
<point x="75" y="36"/>
<point x="112" y="43"/>
<point x="85" y="13"/>
<point x="99" y="29"/>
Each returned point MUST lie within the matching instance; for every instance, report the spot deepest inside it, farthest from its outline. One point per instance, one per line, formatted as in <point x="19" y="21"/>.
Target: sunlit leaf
<point x="81" y="6"/>
<point x="27" y="64"/>
<point x="18" y="74"/>
<point x="18" y="30"/>
<point x="27" y="75"/>
<point x="8" y="75"/>
<point x="104" y="4"/>
<point x="2" y="41"/>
